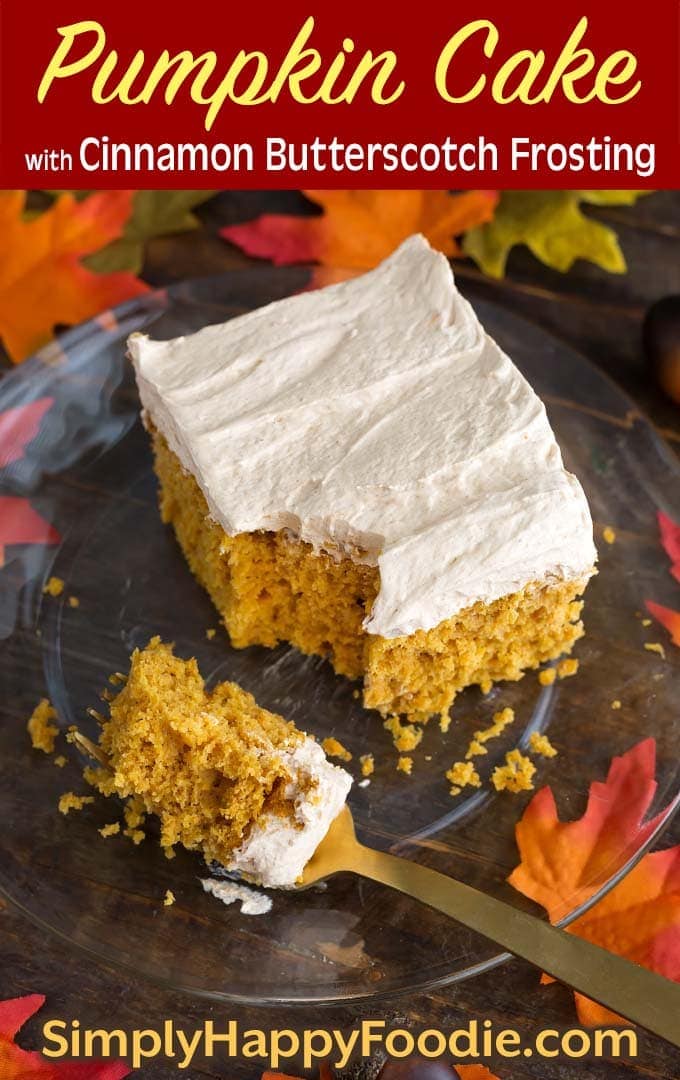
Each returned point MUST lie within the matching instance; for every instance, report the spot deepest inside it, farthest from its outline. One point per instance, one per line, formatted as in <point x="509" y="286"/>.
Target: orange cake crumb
<point x="367" y="763"/>
<point x="334" y="748"/>
<point x="42" y="731"/>
<point x="547" y="676"/>
<point x="169" y="898"/>
<point x="616" y="704"/>
<point x="568" y="667"/>
<point x="169" y="851"/>
<point x="656" y="647"/>
<point x="110" y="830"/>
<point x="405" y="765"/>
<point x="463" y="774"/>
<point x="516" y="775"/>
<point x="646" y="622"/>
<point x="54" y="586"/>
<point x="444" y="722"/>
<point x="136" y="835"/>
<point x="541" y="744"/>
<point x="59" y="761"/>
<point x="608" y="534"/>
<point x="210" y="633"/>
<point x="70" y="801"/>
<point x="501" y="720"/>
<point x="134" y="812"/>
<point x="73" y="601"/>
<point x="406" y="737"/>
<point x="475" y="749"/>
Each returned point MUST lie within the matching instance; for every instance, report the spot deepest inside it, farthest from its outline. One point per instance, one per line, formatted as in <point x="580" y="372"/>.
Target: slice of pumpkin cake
<point x="224" y="777"/>
<point x="362" y="471"/>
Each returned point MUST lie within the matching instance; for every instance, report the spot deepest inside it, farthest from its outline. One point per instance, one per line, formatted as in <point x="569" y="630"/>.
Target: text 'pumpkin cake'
<point x="361" y="471"/>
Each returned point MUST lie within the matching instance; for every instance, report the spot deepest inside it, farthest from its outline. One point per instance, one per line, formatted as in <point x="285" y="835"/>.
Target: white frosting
<point x="376" y="414"/>
<point x="278" y="848"/>
<point x="231" y="892"/>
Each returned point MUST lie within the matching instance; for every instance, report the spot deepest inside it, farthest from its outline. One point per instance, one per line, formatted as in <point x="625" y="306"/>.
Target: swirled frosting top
<point x="376" y="417"/>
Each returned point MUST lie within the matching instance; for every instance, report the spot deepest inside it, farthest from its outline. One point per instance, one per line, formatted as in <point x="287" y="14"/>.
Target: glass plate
<point x="89" y="472"/>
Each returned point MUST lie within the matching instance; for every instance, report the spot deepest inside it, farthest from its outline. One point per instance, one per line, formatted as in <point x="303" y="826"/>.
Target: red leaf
<point x="670" y="538"/>
<point x="18" y="1064"/>
<point x="563" y="864"/>
<point x="667" y="617"/>
<point x="19" y="426"/>
<point x="360" y="228"/>
<point x="21" y="524"/>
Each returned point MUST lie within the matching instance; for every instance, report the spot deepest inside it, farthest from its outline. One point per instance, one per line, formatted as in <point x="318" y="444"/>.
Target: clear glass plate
<point x="89" y="472"/>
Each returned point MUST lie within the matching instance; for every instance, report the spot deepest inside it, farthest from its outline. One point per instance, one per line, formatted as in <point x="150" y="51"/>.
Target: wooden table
<point x="598" y="314"/>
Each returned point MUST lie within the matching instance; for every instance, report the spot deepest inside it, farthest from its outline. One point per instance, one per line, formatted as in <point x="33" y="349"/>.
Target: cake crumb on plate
<point x="463" y="774"/>
<point x="169" y="898"/>
<point x="541" y="744"/>
<point x="54" y="586"/>
<point x="656" y="647"/>
<point x="567" y="667"/>
<point x="405" y="765"/>
<point x="334" y="748"/>
<point x="70" y="801"/>
<point x="608" y="534"/>
<point x="516" y="775"/>
<point x="42" y="731"/>
<point x="406" y="737"/>
<point x="547" y="676"/>
<point x="109" y="830"/>
<point x="616" y="704"/>
<point x="367" y="762"/>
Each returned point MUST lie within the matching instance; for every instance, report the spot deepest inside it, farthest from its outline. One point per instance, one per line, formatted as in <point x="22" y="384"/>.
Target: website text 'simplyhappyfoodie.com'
<point x="476" y="1041"/>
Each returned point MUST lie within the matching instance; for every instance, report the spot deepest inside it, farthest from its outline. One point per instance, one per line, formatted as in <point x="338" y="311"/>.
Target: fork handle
<point x="633" y="992"/>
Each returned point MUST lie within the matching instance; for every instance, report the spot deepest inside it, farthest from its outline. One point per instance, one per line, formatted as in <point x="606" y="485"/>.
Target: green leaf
<point x="553" y="227"/>
<point x="155" y="213"/>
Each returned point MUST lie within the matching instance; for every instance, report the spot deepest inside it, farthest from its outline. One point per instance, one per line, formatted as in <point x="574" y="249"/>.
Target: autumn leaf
<point x="474" y="1072"/>
<point x="154" y="213"/>
<point x="42" y="280"/>
<point x="670" y="539"/>
<point x="18" y="1064"/>
<point x="553" y="226"/>
<point x="21" y="524"/>
<point x="668" y="618"/>
<point x="360" y="228"/>
<point x="19" y="426"/>
<point x="563" y="864"/>
<point x="638" y="919"/>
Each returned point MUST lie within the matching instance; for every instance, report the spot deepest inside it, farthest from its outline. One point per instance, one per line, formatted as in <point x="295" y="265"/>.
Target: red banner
<point x="520" y="95"/>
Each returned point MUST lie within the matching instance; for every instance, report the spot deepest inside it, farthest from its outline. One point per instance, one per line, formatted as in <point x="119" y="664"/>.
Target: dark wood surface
<point x="599" y="314"/>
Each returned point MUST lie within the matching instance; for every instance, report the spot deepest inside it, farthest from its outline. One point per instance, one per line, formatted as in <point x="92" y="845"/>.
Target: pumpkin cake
<point x="225" y="777"/>
<point x="362" y="472"/>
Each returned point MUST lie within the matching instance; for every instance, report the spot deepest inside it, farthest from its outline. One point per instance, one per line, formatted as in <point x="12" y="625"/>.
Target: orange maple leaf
<point x="21" y="524"/>
<point x="563" y="864"/>
<point x="19" y="426"/>
<point x="42" y="281"/>
<point x="474" y="1072"/>
<point x="360" y="228"/>
<point x="18" y="1064"/>
<point x="638" y="919"/>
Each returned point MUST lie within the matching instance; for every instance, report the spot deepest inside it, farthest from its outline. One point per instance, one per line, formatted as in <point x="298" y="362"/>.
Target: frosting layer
<point x="376" y="416"/>
<point x="278" y="847"/>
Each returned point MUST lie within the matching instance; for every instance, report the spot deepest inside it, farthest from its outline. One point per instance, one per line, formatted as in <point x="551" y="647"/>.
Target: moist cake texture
<point x="362" y="472"/>
<point x="224" y="776"/>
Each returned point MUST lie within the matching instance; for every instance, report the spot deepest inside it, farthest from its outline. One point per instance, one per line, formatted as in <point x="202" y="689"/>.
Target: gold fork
<point x="631" y="991"/>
